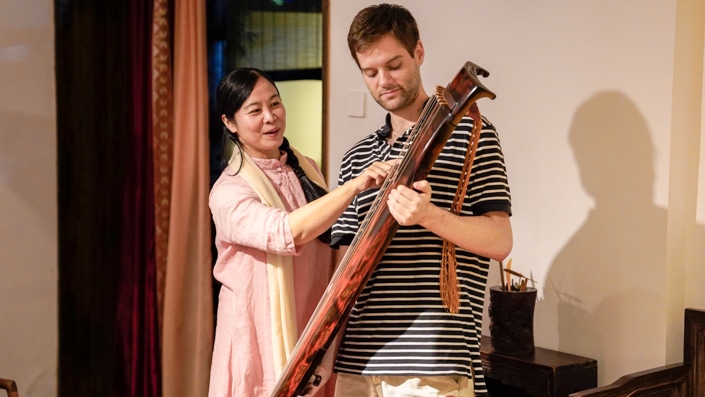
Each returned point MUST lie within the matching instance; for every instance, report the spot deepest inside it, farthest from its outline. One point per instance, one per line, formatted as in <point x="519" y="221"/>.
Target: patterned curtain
<point x="135" y="296"/>
<point x="166" y="291"/>
<point x="137" y="319"/>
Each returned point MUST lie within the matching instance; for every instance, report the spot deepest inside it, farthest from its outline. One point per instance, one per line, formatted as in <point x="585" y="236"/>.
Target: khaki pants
<point x="348" y="385"/>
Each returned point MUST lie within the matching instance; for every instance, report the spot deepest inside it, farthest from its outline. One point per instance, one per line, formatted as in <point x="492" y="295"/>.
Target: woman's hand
<point x="324" y="371"/>
<point x="374" y="175"/>
<point x="317" y="382"/>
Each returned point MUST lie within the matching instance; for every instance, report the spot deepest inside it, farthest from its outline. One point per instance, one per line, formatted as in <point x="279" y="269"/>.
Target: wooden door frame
<point x="325" y="70"/>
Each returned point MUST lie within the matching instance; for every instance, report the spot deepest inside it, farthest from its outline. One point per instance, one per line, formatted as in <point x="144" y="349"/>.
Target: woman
<point x="272" y="266"/>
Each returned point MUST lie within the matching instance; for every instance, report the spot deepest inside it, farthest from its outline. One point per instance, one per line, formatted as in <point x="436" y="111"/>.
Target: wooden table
<point x="546" y="372"/>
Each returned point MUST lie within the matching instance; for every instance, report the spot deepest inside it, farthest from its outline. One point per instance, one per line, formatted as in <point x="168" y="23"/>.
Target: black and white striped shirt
<point x="399" y="326"/>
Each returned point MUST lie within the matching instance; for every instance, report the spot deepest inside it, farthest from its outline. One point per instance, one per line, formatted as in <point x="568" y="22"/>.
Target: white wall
<point x="28" y="197"/>
<point x="584" y="110"/>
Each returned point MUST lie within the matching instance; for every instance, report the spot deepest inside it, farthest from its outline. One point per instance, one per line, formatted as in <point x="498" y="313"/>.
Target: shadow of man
<point x="605" y="293"/>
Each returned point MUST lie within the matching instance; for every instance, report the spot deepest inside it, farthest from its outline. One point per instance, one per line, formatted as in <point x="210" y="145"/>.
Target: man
<point x="406" y="335"/>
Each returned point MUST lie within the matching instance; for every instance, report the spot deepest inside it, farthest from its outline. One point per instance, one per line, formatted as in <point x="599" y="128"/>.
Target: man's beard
<point x="405" y="99"/>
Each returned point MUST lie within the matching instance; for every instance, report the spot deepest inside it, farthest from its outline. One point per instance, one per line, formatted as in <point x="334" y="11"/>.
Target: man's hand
<point x="410" y="206"/>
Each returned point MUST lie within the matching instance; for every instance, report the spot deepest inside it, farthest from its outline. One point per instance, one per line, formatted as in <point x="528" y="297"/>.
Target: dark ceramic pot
<point x="512" y="320"/>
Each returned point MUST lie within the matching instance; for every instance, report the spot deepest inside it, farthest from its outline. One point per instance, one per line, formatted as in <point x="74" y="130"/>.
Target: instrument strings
<point x="422" y="126"/>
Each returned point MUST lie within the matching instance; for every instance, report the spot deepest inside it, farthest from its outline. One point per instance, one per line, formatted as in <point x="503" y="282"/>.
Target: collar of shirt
<point x="384" y="132"/>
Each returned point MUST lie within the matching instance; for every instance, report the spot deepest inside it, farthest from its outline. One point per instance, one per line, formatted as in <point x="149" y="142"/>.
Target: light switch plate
<point x="356" y="103"/>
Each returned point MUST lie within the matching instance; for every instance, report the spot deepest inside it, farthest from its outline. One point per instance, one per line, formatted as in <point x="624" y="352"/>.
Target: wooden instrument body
<point x="378" y="229"/>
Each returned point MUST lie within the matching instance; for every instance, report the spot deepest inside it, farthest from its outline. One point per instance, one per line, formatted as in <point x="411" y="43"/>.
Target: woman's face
<point x="260" y="122"/>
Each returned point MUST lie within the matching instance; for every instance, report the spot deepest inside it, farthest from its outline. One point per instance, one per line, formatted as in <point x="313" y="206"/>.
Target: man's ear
<point x="419" y="52"/>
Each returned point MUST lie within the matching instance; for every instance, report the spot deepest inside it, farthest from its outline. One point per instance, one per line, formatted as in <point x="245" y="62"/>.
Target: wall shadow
<point x="605" y="293"/>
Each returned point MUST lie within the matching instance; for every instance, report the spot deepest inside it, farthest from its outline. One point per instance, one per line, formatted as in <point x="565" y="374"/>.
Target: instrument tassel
<point x="450" y="291"/>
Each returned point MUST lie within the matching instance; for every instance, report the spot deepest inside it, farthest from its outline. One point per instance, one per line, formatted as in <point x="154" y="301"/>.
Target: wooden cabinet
<point x="545" y="373"/>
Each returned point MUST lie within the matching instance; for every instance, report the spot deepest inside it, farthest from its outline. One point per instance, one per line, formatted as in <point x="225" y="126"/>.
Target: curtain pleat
<point x="137" y="318"/>
<point x="188" y="307"/>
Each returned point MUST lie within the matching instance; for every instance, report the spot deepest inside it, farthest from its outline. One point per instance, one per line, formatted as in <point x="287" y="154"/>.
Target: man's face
<point x="390" y="73"/>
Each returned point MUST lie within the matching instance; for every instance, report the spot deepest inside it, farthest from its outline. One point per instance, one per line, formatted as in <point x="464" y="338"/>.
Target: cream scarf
<point x="280" y="271"/>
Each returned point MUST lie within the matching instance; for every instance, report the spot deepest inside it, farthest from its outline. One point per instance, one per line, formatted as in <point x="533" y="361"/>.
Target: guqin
<point x="438" y="120"/>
